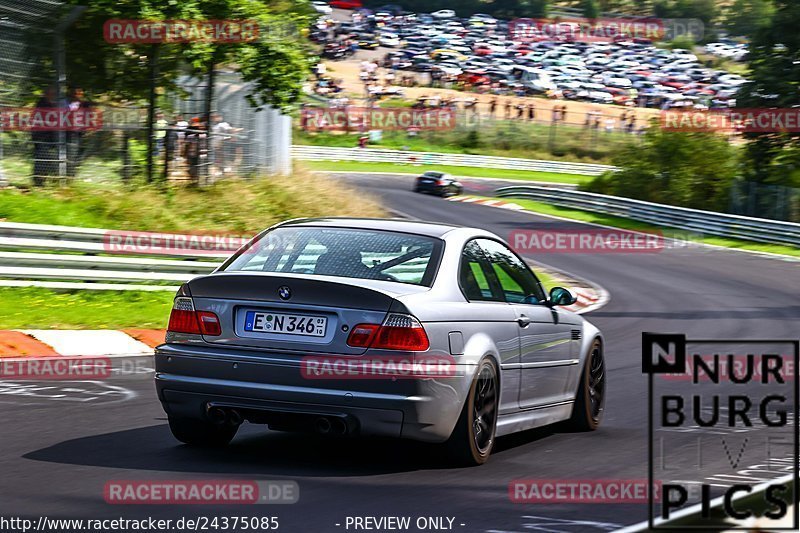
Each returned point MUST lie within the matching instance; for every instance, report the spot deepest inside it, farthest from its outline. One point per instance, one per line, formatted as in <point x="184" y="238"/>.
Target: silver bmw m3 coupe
<point x="377" y="327"/>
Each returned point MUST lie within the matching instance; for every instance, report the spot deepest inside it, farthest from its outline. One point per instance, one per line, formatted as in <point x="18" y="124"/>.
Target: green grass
<point x="624" y="223"/>
<point x="19" y="168"/>
<point x="548" y="281"/>
<point x="505" y="138"/>
<point x="38" y="308"/>
<point x="230" y="207"/>
<point x="355" y="166"/>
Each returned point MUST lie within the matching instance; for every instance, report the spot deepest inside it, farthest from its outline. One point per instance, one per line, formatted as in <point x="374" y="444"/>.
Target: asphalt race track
<point x="62" y="442"/>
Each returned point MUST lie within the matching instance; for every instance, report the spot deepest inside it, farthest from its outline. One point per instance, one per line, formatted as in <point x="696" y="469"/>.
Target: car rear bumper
<point x="427" y="188"/>
<point x="190" y="379"/>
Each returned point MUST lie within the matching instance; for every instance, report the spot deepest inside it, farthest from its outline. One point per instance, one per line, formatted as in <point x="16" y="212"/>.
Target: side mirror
<point x="561" y="296"/>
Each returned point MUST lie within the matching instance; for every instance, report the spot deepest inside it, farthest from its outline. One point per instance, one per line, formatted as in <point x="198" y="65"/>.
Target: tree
<point x="590" y="9"/>
<point x="120" y="71"/>
<point x="704" y="10"/>
<point x="677" y="168"/>
<point x="276" y="63"/>
<point x="746" y="17"/>
<point x="772" y="157"/>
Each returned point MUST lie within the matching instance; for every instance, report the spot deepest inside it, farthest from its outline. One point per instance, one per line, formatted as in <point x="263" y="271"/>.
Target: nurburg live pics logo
<point x="722" y="432"/>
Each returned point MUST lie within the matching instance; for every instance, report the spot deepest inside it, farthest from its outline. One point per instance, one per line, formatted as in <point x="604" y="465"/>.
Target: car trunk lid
<point x="264" y="311"/>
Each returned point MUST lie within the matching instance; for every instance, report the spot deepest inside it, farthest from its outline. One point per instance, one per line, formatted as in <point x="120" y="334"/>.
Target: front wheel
<point x="201" y="433"/>
<point x="474" y="435"/>
<point x="587" y="412"/>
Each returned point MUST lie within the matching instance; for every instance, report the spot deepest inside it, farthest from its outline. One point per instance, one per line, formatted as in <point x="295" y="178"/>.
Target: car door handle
<point x="523" y="321"/>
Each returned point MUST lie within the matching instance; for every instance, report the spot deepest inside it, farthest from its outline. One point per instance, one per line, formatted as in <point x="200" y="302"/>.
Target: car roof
<point x="429" y="229"/>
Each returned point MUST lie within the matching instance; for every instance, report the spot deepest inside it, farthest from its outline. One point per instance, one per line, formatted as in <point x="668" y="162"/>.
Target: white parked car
<point x="322" y="7"/>
<point x="450" y="69"/>
<point x="444" y="14"/>
<point x="483" y="17"/>
<point x="391" y="40"/>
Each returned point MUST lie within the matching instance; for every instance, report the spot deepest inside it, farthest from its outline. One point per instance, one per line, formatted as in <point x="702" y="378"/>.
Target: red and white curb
<point x="589" y="299"/>
<point x="490" y="202"/>
<point x="90" y="343"/>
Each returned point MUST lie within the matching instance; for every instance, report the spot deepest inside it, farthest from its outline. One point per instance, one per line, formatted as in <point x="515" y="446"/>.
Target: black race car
<point x="438" y="183"/>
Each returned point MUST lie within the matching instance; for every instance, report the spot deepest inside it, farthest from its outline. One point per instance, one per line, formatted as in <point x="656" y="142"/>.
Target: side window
<point x="474" y="275"/>
<point x="515" y="278"/>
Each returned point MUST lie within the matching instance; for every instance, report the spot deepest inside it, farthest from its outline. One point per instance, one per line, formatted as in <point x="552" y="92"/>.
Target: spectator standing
<point x="161" y="132"/>
<point x="181" y="124"/>
<point x="222" y="142"/>
<point x="45" y="149"/>
<point x="76" y="103"/>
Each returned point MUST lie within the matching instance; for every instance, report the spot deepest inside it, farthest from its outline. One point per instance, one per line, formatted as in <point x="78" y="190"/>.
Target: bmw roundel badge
<point x="284" y="292"/>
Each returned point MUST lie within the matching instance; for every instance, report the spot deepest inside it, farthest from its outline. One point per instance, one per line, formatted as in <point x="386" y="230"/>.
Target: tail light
<point x="441" y="183"/>
<point x="209" y="323"/>
<point x="184" y="319"/>
<point x="398" y="332"/>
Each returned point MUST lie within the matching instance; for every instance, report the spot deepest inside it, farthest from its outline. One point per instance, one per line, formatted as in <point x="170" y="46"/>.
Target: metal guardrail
<point x="116" y="268"/>
<point x="88" y="257"/>
<point x="328" y="153"/>
<point x="695" y="220"/>
<point x="81" y="265"/>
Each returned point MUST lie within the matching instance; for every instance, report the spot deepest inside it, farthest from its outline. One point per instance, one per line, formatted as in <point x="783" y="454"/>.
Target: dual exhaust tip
<point x="225" y="417"/>
<point x="324" y="425"/>
<point x="331" y="425"/>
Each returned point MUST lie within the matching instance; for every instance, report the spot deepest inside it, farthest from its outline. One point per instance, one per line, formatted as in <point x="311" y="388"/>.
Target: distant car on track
<point x="438" y="183"/>
<point x="356" y="291"/>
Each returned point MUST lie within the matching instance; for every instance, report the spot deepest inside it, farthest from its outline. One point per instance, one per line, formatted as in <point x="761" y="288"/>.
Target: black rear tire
<point x="201" y="433"/>
<point x="587" y="411"/>
<point x="473" y="438"/>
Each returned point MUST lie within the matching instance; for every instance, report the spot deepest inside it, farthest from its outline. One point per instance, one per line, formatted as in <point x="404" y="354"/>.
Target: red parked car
<point x="346" y="4"/>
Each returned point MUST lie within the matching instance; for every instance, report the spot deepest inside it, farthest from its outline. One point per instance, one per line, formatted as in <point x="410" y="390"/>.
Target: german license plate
<point x="285" y="323"/>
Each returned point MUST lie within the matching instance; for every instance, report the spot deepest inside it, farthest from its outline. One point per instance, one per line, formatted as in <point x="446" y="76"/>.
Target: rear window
<point x="342" y="252"/>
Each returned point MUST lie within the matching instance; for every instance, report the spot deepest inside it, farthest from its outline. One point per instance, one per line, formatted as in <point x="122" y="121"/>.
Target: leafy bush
<point x="685" y="169"/>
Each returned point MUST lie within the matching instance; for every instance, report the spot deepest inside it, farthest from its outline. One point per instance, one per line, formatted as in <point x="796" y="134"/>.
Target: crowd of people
<point x="184" y="146"/>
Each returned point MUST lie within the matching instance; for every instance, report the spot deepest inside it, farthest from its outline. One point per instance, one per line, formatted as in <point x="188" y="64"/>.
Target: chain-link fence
<point x="765" y="201"/>
<point x="240" y="142"/>
<point x="26" y="65"/>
